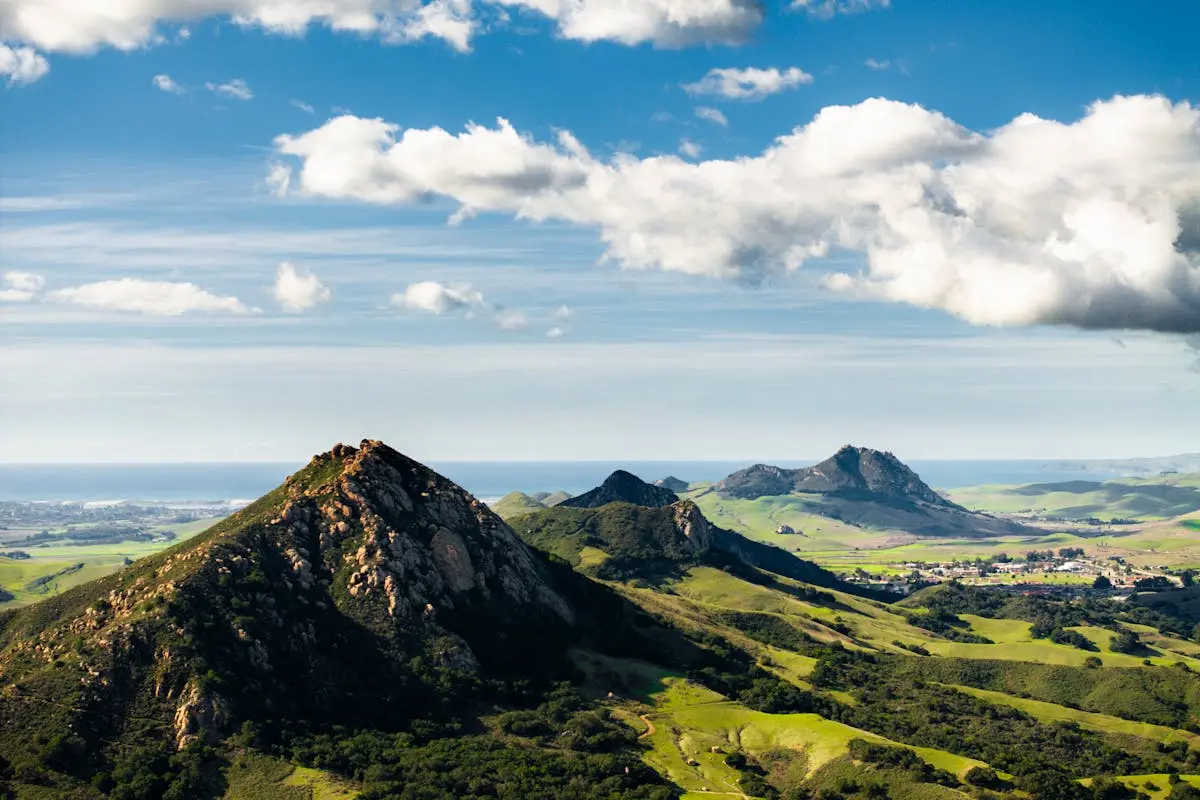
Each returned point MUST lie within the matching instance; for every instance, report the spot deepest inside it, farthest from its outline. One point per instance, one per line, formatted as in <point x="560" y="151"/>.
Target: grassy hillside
<point x="1124" y="498"/>
<point x="250" y="661"/>
<point x="514" y="504"/>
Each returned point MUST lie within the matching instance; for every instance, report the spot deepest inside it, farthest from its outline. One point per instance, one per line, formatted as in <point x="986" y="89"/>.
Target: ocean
<point x="222" y="483"/>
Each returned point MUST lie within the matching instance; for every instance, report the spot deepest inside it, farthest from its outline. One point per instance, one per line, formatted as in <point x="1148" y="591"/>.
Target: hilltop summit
<point x="850" y="472"/>
<point x="869" y="489"/>
<point x="623" y="487"/>
<point x="318" y="601"/>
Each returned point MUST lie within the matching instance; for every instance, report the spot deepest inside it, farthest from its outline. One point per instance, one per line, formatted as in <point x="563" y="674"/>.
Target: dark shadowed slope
<point x="643" y="541"/>
<point x="623" y="487"/>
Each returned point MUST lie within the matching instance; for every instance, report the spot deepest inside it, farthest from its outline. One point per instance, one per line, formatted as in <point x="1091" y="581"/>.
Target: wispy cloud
<point x="20" y="287"/>
<point x="713" y="115"/>
<point x="510" y="319"/>
<point x="751" y="83"/>
<point x="237" y="89"/>
<point x="303" y="106"/>
<point x="827" y="9"/>
<point x="689" y="149"/>
<point x="167" y="84"/>
<point x="878" y="64"/>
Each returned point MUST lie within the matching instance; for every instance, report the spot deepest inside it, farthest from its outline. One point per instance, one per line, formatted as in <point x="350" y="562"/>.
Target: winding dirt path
<point x="649" y="726"/>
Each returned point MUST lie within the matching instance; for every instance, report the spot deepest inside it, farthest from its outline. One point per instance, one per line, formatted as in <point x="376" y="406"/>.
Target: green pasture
<point x="1100" y="723"/>
<point x="17" y="575"/>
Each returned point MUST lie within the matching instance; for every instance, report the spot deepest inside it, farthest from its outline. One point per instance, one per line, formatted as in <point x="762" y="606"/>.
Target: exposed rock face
<point x="694" y="527"/>
<point x="422" y="540"/>
<point x="200" y="716"/>
<point x="623" y="487"/>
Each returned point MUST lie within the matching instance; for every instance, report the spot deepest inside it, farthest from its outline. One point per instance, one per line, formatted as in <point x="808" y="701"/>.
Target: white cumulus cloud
<point x="452" y="21"/>
<point x="167" y="84"/>
<point x="82" y="26"/>
<point x="20" y="287"/>
<point x="751" y="83"/>
<point x="712" y="115"/>
<point x="297" y="292"/>
<point x="22" y="65"/>
<point x="237" y="88"/>
<point x="156" y="298"/>
<point x="437" y="298"/>
<point x="1093" y="223"/>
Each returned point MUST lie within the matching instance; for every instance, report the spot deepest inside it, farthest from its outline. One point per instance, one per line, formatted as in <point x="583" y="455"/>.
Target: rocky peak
<point x="420" y="542"/>
<point x="623" y="487"/>
<point x="861" y="469"/>
<point x="857" y="471"/>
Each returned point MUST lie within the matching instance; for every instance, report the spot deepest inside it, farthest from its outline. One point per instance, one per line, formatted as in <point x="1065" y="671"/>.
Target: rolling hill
<point x="1156" y="498"/>
<point x="370" y="629"/>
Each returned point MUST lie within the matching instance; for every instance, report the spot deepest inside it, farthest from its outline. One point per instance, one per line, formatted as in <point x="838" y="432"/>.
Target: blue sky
<point x="636" y="294"/>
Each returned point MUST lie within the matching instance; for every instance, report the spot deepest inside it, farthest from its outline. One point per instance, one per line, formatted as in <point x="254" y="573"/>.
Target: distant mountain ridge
<point x="623" y="487"/>
<point x="867" y="488"/>
<point x="851" y="471"/>
<point x="640" y="538"/>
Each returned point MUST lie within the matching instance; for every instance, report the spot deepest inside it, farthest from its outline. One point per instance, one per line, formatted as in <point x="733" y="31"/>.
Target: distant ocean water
<point x="219" y="483"/>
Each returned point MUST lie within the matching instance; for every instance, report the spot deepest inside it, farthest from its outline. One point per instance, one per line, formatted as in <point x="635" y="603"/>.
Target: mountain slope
<point x="865" y="488"/>
<point x="344" y="595"/>
<point x="516" y="503"/>
<point x="852" y="472"/>
<point x="623" y="487"/>
<point x="622" y="540"/>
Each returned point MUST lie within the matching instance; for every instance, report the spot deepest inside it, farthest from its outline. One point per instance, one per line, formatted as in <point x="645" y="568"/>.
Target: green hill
<point x="371" y="629"/>
<point x="1161" y="497"/>
<point x="367" y="592"/>
<point x="514" y="504"/>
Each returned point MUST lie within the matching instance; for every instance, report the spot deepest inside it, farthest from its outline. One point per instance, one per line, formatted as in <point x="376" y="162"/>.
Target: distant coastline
<point x="224" y="483"/>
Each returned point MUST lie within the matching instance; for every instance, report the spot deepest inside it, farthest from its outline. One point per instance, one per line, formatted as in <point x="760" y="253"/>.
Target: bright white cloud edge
<point x="1094" y="223"/>
<point x="154" y="298"/>
<point x="297" y="292"/>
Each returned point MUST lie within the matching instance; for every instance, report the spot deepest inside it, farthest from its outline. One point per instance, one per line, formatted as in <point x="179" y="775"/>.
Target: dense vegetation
<point x="910" y="710"/>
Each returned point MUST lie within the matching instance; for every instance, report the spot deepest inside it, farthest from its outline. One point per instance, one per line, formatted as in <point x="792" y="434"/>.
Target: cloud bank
<point x="1093" y="224"/>
<point x="71" y="26"/>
